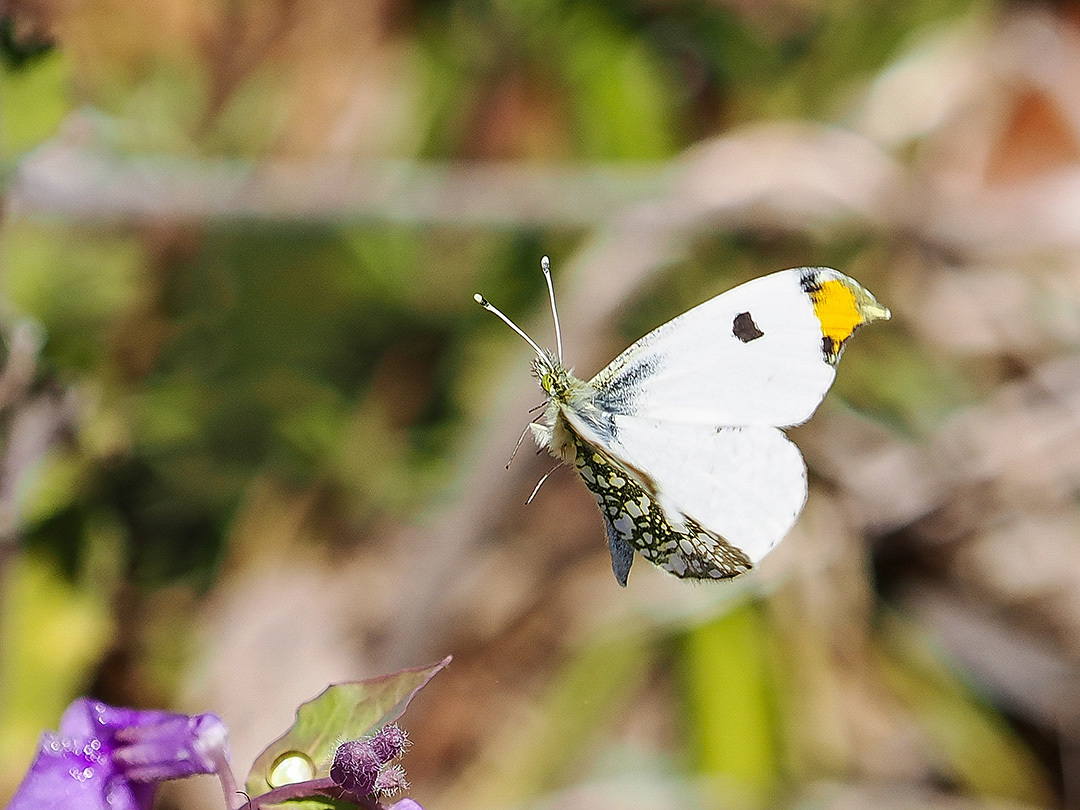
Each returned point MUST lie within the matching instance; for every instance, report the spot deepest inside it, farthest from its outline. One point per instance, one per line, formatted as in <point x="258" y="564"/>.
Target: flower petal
<point x="92" y="718"/>
<point x="174" y="747"/>
<point x="109" y="758"/>
<point x="77" y="774"/>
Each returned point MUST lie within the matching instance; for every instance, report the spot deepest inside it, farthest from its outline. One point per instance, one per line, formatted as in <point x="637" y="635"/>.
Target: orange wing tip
<point x="842" y="305"/>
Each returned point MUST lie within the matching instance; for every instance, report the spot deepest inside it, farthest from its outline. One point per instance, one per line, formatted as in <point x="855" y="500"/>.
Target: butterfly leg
<point x="521" y="439"/>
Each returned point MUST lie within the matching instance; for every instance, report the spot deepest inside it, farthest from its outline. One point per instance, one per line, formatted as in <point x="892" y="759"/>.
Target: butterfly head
<point x="557" y="382"/>
<point x="553" y="377"/>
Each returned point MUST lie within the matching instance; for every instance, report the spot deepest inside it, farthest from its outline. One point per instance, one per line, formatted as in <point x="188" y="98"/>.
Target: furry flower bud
<point x="389" y="743"/>
<point x="355" y="767"/>
<point x="391" y="780"/>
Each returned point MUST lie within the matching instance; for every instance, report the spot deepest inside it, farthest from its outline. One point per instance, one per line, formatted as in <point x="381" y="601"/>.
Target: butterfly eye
<point x="547" y="382"/>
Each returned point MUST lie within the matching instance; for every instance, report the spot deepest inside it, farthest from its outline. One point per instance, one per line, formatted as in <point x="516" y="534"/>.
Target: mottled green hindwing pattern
<point x="633" y="517"/>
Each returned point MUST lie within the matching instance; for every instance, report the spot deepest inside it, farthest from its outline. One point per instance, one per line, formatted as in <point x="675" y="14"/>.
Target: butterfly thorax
<point x="564" y="392"/>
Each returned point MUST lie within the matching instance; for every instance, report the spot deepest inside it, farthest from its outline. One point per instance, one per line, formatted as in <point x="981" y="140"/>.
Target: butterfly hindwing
<point x="636" y="522"/>
<point x="730" y="493"/>
<point x="745" y="484"/>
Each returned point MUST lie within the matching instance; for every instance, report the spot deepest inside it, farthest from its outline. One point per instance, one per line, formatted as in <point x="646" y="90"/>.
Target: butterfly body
<point x="679" y="438"/>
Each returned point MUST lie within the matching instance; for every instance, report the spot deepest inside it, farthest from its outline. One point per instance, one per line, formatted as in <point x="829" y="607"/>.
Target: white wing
<point x="750" y="356"/>
<point x="745" y="484"/>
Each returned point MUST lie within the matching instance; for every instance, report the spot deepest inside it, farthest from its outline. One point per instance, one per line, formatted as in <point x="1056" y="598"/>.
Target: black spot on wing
<point x="809" y="280"/>
<point x="831" y="349"/>
<point x="745" y="329"/>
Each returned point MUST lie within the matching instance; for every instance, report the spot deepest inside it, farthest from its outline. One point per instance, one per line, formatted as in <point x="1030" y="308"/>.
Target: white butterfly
<point x="678" y="438"/>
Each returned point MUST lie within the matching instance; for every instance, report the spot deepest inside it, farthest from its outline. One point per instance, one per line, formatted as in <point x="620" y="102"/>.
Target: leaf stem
<point x="300" y="790"/>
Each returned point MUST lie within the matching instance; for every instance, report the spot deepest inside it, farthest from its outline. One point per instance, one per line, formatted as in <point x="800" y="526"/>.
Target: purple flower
<point x="107" y="758"/>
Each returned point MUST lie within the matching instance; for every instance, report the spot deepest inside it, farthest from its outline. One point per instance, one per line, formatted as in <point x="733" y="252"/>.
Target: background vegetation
<point x="254" y="426"/>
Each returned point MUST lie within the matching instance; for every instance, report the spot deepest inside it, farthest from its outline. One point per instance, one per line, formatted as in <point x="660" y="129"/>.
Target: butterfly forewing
<point x="750" y="356"/>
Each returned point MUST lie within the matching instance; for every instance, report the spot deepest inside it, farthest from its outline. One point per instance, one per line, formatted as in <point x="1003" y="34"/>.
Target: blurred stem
<point x="728" y="708"/>
<point x="305" y="790"/>
<point x="225" y="775"/>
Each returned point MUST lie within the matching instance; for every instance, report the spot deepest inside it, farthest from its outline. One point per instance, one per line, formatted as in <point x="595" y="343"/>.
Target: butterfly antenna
<point x="487" y="305"/>
<point x="545" y="265"/>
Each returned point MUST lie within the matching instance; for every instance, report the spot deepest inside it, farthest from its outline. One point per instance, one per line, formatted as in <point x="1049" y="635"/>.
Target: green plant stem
<point x="300" y="790"/>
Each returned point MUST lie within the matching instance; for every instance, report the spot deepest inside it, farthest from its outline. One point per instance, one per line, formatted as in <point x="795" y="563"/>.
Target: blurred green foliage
<point x="729" y="705"/>
<point x="976" y="747"/>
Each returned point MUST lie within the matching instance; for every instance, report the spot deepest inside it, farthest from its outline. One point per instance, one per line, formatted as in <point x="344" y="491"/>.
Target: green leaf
<point x="319" y="803"/>
<point x="344" y="711"/>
